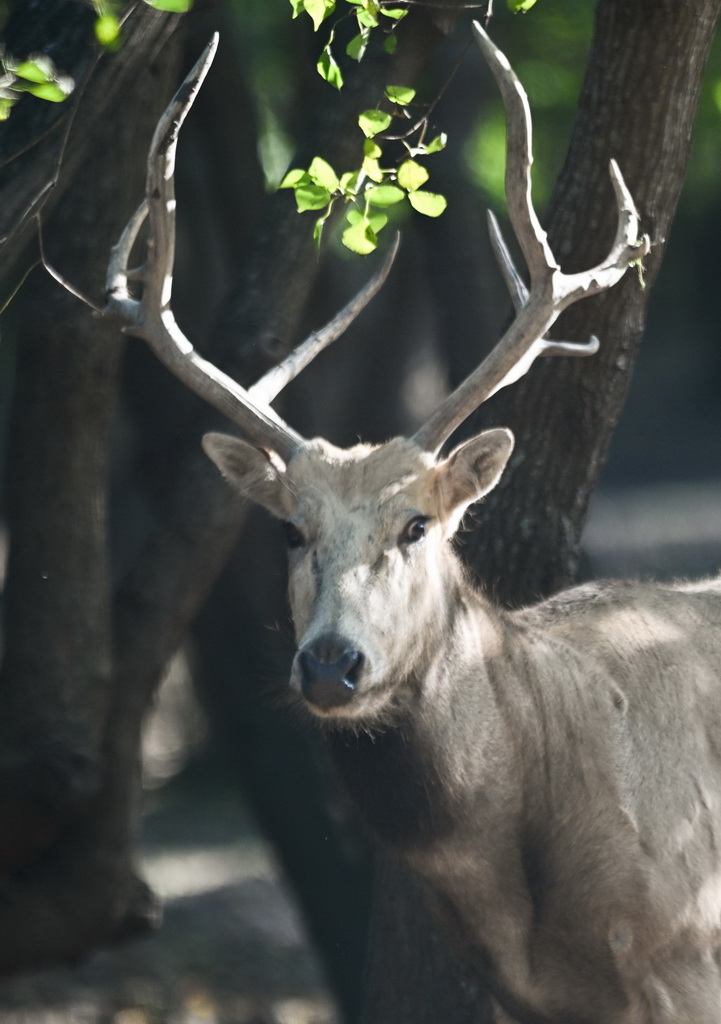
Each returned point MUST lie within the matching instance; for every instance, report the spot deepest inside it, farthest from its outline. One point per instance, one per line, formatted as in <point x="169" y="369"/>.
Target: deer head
<point x="371" y="573"/>
<point x="367" y="532"/>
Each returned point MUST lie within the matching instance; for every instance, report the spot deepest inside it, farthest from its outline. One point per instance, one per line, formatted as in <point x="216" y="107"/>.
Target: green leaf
<point x="373" y="121"/>
<point x="39" y="69"/>
<point x="296" y="176"/>
<point x="321" y="173"/>
<point x="367" y="20"/>
<point x="328" y="69"/>
<point x="400" y="94"/>
<point x="6" y="106"/>
<point x="373" y="169"/>
<point x="348" y="183"/>
<point x="372" y="149"/>
<point x="368" y="15"/>
<point x="520" y="6"/>
<point x="171" y="6"/>
<point x="411" y="175"/>
<point x="48" y="91"/>
<point x="107" y="31"/>
<point x="298" y="6"/>
<point x="358" y="45"/>
<point x="311" y="197"/>
<point x="372" y="152"/>
<point x="437" y="144"/>
<point x="385" y="195"/>
<point x="360" y="237"/>
<point x="375" y="218"/>
<point x="319" y="10"/>
<point x="394" y="12"/>
<point x="430" y="204"/>
<point x="390" y="43"/>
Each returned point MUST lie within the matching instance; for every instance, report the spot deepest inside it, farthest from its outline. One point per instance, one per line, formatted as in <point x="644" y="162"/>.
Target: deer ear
<point x="471" y="471"/>
<point x="257" y="474"/>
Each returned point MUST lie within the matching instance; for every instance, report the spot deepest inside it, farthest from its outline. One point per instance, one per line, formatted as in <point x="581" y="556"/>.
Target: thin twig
<point x="47" y="188"/>
<point x="18" y="286"/>
<point x="434" y="103"/>
<point x="57" y="276"/>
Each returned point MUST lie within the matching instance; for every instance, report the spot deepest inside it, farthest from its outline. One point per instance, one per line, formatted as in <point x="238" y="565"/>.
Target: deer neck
<point x="416" y="778"/>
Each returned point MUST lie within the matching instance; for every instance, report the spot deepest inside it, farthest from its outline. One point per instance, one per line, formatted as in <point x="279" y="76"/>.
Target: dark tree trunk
<point x="66" y="878"/>
<point x="638" y="105"/>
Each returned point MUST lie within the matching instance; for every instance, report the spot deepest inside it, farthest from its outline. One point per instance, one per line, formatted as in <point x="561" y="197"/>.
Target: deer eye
<point x="293" y="537"/>
<point x="414" y="530"/>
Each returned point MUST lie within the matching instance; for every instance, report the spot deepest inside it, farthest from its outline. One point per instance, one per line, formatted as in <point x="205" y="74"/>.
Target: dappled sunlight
<point x="175" y="727"/>
<point x="189" y="871"/>
<point x="640" y="629"/>
<point x="706" y="908"/>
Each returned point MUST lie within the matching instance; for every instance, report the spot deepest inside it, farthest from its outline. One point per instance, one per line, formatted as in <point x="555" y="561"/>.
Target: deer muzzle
<point x="328" y="669"/>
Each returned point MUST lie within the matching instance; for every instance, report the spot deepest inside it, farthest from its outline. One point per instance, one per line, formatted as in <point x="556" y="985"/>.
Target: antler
<point x="551" y="290"/>
<point x="150" y="317"/>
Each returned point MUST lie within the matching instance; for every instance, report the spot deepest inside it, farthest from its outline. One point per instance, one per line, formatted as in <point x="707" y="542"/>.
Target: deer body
<point x="563" y="803"/>
<point x="553" y="774"/>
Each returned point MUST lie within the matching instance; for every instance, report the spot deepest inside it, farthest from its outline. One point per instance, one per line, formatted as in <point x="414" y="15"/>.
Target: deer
<point x="552" y="774"/>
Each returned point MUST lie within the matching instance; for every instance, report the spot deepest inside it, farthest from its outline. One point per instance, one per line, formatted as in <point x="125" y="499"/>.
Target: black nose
<point x="328" y="670"/>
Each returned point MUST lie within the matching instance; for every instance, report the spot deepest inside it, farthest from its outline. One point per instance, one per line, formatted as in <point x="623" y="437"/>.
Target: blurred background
<point x="240" y="938"/>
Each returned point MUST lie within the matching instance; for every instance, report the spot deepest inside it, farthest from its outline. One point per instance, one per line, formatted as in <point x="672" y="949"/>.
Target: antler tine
<point x="551" y="291"/>
<point x="151" y="317"/>
<point x="271" y="383"/>
<point x="514" y="282"/>
<point x="526" y="226"/>
<point x="519" y="295"/>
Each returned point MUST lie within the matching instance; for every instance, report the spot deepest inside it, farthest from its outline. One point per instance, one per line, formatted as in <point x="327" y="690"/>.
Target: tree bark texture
<point x="65" y="826"/>
<point x="638" y="105"/>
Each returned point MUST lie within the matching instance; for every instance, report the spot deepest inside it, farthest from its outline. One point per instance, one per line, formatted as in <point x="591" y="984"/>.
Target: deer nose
<point x="327" y="677"/>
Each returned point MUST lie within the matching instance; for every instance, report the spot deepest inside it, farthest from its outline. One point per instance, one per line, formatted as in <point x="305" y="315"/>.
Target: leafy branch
<point x="36" y="75"/>
<point x="367" y="13"/>
<point x="108" y="21"/>
<point x="369" y="191"/>
<point x="372" y="189"/>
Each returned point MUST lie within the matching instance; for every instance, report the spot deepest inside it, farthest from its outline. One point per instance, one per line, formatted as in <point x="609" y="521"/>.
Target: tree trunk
<point x="66" y="877"/>
<point x="638" y="105"/>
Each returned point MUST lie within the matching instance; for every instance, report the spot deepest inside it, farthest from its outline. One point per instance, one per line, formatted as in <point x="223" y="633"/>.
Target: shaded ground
<point x="231" y="948"/>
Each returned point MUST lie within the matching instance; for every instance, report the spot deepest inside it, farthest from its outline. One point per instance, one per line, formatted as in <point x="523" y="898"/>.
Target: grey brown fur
<point x="553" y="774"/>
